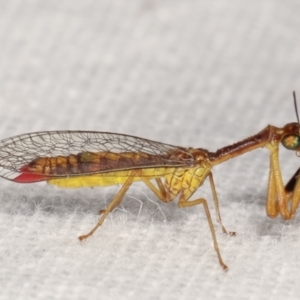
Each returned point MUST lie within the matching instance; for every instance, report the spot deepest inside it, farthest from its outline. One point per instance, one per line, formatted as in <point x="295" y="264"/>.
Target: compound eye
<point x="291" y="141"/>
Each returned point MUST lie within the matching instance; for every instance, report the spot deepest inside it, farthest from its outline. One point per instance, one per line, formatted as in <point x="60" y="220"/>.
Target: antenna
<point x="296" y="108"/>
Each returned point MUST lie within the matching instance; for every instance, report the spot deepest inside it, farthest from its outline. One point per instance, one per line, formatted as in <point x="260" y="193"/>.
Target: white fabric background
<point x="191" y="73"/>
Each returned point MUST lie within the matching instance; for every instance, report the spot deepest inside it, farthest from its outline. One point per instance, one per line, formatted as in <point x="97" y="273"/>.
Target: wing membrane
<point x="19" y="151"/>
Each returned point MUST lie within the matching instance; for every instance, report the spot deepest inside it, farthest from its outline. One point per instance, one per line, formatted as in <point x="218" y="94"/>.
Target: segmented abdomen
<point x="88" y="163"/>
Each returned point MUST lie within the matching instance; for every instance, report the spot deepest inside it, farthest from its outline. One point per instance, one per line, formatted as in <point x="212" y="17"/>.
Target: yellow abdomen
<point x="109" y="178"/>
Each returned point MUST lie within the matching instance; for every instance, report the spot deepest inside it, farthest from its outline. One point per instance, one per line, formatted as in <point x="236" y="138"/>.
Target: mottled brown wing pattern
<point x="22" y="150"/>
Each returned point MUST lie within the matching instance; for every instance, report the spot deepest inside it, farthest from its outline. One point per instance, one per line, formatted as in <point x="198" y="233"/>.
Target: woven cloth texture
<point x="191" y="73"/>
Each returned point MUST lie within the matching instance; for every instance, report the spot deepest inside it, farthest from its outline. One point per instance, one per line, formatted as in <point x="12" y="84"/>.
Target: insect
<point x="71" y="159"/>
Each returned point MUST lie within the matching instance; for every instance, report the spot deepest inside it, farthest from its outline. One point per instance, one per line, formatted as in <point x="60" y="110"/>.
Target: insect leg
<point x="161" y="187"/>
<point x="216" y="201"/>
<point x="276" y="196"/>
<point x="162" y="195"/>
<point x="272" y="203"/>
<point x="115" y="202"/>
<point x="292" y="190"/>
<point x="159" y="192"/>
<point x="290" y="186"/>
<point x="184" y="203"/>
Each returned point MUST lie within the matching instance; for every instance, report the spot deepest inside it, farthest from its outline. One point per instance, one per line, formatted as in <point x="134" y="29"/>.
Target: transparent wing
<point x="19" y="151"/>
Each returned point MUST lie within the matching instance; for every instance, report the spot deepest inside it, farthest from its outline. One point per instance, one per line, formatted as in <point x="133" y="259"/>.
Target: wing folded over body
<point x="57" y="154"/>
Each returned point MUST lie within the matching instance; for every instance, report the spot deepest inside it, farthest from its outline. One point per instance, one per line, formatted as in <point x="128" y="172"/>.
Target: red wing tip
<point x="29" y="177"/>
